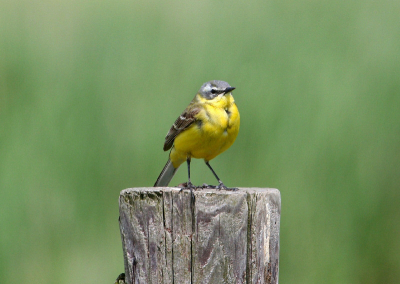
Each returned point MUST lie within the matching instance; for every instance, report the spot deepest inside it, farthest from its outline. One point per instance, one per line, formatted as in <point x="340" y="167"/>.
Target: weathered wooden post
<point x="170" y="236"/>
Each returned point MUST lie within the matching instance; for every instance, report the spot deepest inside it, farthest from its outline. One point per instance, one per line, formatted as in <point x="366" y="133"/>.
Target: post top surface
<point x="240" y="190"/>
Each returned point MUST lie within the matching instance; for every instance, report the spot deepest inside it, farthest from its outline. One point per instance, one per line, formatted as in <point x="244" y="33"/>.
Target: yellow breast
<point x="213" y="132"/>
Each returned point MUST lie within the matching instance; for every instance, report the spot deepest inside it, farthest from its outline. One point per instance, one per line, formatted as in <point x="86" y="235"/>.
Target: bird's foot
<point x="208" y="186"/>
<point x="219" y="187"/>
<point x="190" y="186"/>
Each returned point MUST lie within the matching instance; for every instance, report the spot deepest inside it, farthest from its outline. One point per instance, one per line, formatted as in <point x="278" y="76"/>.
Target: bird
<point x="205" y="129"/>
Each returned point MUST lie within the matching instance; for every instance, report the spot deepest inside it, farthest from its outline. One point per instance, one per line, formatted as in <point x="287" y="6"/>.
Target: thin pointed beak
<point x="229" y="89"/>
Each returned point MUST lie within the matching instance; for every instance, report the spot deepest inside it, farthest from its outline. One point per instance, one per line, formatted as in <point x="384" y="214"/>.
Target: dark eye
<point x="213" y="91"/>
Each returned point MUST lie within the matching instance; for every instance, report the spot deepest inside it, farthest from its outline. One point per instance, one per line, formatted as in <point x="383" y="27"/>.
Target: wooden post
<point x="214" y="236"/>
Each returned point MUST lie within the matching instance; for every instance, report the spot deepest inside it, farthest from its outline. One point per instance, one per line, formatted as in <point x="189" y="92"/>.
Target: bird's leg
<point x="189" y="183"/>
<point x="221" y="184"/>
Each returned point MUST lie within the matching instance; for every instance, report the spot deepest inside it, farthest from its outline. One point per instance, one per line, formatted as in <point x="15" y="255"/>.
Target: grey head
<point x="214" y="88"/>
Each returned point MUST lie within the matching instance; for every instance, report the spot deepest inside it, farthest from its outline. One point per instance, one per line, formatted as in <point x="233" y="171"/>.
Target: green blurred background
<point x="88" y="90"/>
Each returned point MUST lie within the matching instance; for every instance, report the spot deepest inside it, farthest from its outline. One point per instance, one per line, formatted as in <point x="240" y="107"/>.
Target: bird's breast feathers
<point x="218" y="121"/>
<point x="214" y="131"/>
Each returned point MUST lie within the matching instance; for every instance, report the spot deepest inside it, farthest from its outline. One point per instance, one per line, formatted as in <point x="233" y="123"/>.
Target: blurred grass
<point x="83" y="85"/>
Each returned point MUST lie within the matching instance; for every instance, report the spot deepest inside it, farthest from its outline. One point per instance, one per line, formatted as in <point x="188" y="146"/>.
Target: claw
<point x="208" y="186"/>
<point x="222" y="186"/>
<point x="232" y="188"/>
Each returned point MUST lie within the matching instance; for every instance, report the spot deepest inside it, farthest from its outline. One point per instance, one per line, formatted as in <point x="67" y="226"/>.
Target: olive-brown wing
<point x="180" y="124"/>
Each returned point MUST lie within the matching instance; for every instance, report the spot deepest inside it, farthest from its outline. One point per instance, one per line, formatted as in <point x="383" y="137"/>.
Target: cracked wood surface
<point x="214" y="237"/>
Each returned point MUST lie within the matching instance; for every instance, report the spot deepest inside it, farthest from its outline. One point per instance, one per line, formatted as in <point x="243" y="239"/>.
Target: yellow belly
<point x="213" y="133"/>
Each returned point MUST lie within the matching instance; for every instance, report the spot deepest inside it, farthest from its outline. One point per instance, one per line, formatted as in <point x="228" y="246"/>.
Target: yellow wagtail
<point x="206" y="128"/>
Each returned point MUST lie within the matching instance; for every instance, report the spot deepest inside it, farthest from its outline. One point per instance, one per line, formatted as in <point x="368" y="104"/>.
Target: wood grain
<point x="169" y="236"/>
